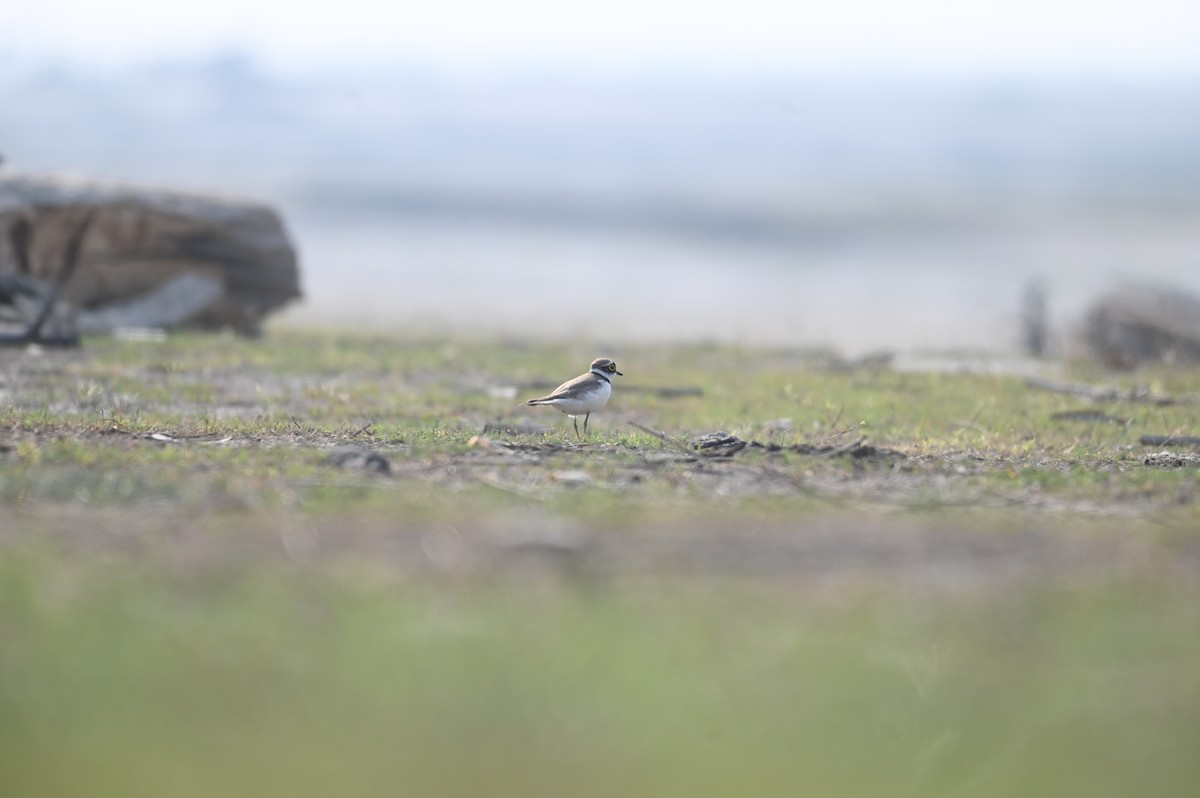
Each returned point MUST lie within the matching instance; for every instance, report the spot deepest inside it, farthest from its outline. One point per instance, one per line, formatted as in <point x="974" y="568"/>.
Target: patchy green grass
<point x="194" y="601"/>
<point x="278" y="402"/>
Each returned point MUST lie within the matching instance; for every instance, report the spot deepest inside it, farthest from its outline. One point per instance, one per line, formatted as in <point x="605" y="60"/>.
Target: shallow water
<point x="873" y="290"/>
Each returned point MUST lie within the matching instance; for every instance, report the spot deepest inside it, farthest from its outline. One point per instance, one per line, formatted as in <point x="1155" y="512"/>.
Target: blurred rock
<point x="356" y="457"/>
<point x="1139" y="324"/>
<point x="151" y="257"/>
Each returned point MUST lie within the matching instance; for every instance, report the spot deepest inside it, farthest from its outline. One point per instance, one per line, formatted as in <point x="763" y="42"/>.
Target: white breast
<point x="585" y="402"/>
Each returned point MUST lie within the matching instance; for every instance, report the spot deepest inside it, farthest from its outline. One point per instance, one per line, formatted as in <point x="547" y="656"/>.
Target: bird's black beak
<point x="619" y="374"/>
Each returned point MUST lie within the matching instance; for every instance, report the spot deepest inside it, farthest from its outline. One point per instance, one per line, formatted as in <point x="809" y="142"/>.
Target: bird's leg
<point x="575" y="421"/>
<point x="585" y="421"/>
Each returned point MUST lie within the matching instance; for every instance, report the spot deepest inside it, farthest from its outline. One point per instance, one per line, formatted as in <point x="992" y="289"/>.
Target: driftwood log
<point x="34" y="304"/>
<point x="148" y="257"/>
<point x="1141" y="324"/>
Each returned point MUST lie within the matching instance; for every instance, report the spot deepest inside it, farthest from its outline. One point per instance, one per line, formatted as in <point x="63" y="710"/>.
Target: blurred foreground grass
<point x="229" y="615"/>
<point x="119" y="681"/>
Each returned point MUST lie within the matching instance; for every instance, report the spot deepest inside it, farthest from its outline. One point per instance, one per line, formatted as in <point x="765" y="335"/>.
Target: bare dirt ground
<point x="817" y="520"/>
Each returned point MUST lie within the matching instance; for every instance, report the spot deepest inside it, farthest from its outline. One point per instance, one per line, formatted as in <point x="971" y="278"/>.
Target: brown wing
<point x="562" y="390"/>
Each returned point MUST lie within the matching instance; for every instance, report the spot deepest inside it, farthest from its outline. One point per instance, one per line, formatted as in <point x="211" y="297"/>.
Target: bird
<point x="583" y="395"/>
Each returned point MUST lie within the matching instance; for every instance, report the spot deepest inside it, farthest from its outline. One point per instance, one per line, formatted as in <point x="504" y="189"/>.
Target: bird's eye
<point x="611" y="367"/>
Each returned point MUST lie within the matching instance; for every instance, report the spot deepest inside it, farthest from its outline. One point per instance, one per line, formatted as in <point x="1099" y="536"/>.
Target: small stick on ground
<point x="838" y="433"/>
<point x="662" y="436"/>
<point x="1108" y="393"/>
<point x="1170" y="440"/>
<point x="665" y="438"/>
<point x="845" y="447"/>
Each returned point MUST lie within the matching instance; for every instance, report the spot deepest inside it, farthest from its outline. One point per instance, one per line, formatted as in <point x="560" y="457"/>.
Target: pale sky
<point x="1107" y="36"/>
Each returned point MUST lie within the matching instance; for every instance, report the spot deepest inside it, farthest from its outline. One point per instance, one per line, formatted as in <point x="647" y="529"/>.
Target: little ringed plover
<point x="583" y="395"/>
